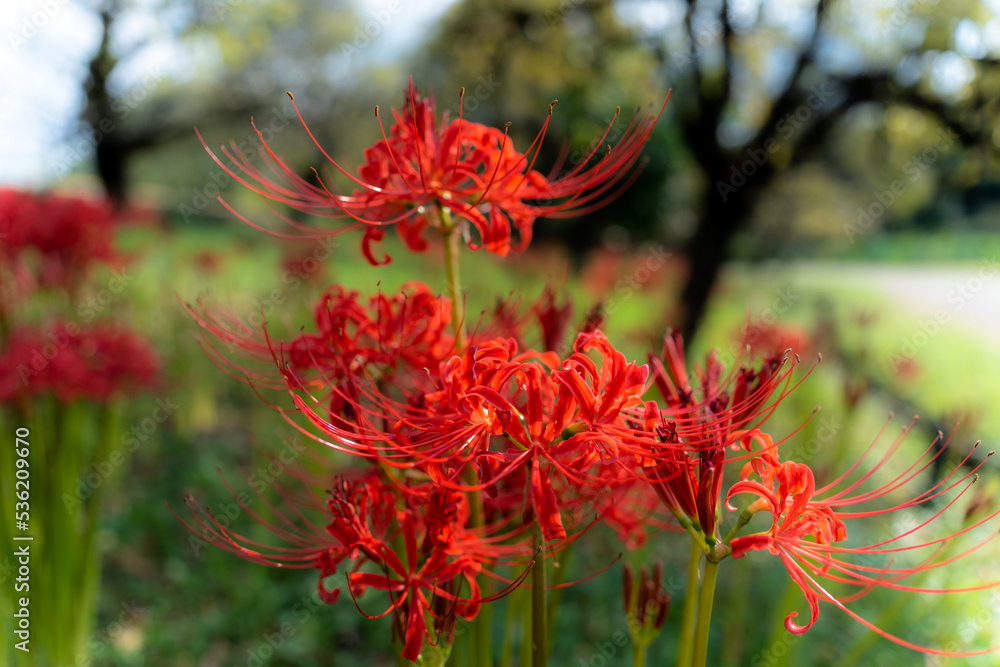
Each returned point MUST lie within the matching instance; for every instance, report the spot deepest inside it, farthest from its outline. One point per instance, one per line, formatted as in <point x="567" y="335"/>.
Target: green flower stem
<point x="639" y="655"/>
<point x="735" y="619"/>
<point x="526" y="625"/>
<point x="539" y="610"/>
<point x="704" y="614"/>
<point x="745" y="516"/>
<point x="507" y="648"/>
<point x="450" y="233"/>
<point x="482" y="628"/>
<point x="690" y="607"/>
<point x="90" y="574"/>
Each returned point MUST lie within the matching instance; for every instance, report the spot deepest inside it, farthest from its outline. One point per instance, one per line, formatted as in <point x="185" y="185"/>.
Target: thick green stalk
<point x="507" y="648"/>
<point x="451" y="235"/>
<point x="690" y="607"/>
<point x="539" y="610"/>
<point x="737" y="597"/>
<point x="704" y="614"/>
<point x="90" y="574"/>
<point x="639" y="655"/>
<point x="482" y="627"/>
<point x="526" y="625"/>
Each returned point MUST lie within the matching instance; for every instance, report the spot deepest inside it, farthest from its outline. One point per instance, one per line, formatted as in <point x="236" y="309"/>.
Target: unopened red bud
<point x="627" y="580"/>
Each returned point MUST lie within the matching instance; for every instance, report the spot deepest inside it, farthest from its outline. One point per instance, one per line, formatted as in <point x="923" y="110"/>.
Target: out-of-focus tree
<point x="877" y="97"/>
<point x="795" y="117"/>
<point x="232" y="57"/>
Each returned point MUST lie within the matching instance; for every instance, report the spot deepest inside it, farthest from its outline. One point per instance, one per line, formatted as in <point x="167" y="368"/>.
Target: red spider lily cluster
<point x="478" y="449"/>
<point x="465" y="452"/>
<point x="98" y="363"/>
<point x="51" y="243"/>
<point x="423" y="174"/>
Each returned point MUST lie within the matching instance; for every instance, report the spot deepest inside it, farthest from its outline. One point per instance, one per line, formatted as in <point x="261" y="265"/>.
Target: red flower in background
<point x="422" y="172"/>
<point x="776" y="339"/>
<point x="98" y="363"/>
<point x="56" y="239"/>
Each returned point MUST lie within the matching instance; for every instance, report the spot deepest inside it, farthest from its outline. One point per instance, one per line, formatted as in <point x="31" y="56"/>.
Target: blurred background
<point x="825" y="173"/>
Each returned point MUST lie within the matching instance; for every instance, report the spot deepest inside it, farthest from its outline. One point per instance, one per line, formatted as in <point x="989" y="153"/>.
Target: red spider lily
<point x="808" y="525"/>
<point x="99" y="363"/>
<point x="441" y="555"/>
<point x="552" y="417"/>
<point x="57" y="239"/>
<point x="384" y="334"/>
<point x="360" y="508"/>
<point x="421" y="172"/>
<point x="684" y="447"/>
<point x="627" y="504"/>
<point x="776" y="339"/>
<point x="415" y="580"/>
<point x="395" y="338"/>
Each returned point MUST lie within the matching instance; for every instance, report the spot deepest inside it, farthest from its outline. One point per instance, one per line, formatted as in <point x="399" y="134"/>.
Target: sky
<point x="44" y="49"/>
<point x="45" y="46"/>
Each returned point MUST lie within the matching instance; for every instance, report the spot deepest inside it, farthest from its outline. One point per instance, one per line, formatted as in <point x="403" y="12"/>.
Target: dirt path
<point x="965" y="295"/>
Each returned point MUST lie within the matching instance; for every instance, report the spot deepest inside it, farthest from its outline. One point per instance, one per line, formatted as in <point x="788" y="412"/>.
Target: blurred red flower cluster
<point x="51" y="244"/>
